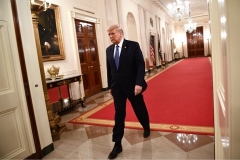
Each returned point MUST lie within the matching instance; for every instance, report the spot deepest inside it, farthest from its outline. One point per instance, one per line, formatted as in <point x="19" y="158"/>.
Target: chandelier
<point x="43" y="4"/>
<point x="190" y="27"/>
<point x="178" y="9"/>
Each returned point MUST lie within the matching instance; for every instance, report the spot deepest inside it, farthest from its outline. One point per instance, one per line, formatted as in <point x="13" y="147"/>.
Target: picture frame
<point x="50" y="34"/>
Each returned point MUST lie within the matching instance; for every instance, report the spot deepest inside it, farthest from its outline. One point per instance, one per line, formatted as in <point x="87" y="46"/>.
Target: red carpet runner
<point x="179" y="99"/>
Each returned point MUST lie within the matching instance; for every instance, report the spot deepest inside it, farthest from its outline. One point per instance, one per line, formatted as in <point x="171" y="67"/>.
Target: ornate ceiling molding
<point x="159" y="5"/>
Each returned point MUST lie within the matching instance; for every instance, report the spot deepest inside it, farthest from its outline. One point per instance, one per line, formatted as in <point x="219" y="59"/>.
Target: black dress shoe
<point x="115" y="151"/>
<point x="146" y="133"/>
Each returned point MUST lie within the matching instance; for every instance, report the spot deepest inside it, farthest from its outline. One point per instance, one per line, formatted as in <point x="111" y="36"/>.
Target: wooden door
<point x="89" y="59"/>
<point x="15" y="136"/>
<point x="195" y="43"/>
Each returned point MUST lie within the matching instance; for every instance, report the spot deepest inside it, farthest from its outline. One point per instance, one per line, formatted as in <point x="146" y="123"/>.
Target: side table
<point x="66" y="81"/>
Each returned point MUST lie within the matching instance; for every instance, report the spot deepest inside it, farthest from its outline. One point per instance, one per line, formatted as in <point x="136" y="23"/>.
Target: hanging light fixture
<point x="190" y="27"/>
<point x="43" y="4"/>
<point x="178" y="9"/>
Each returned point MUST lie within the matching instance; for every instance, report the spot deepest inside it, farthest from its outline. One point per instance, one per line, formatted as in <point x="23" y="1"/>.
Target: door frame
<point x="85" y="16"/>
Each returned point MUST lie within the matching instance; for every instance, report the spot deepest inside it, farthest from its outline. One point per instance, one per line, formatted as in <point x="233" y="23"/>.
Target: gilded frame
<point x="50" y="34"/>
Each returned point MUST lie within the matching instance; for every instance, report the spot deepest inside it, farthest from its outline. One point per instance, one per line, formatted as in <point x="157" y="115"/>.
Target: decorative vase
<point x="53" y="71"/>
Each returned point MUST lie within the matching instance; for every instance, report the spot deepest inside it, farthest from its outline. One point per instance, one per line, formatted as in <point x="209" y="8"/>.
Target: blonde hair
<point x="115" y="26"/>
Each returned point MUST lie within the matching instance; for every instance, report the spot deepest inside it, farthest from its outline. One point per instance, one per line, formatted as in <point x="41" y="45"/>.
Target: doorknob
<point x="90" y="67"/>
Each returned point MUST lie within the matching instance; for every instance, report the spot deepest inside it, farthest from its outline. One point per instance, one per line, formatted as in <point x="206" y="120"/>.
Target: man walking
<point x="125" y="73"/>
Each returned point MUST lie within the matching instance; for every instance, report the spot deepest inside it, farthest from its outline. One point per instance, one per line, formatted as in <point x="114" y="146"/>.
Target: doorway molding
<point x="90" y="17"/>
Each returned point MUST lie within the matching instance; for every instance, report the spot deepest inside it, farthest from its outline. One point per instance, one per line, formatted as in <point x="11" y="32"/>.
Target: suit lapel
<point x="112" y="52"/>
<point x="111" y="55"/>
<point x="123" y="52"/>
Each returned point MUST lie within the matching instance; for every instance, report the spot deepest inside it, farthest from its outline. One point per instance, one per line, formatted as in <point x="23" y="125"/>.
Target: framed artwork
<point x="50" y="34"/>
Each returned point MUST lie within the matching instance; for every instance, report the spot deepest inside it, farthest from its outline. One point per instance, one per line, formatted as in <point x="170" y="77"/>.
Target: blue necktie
<point x="116" y="56"/>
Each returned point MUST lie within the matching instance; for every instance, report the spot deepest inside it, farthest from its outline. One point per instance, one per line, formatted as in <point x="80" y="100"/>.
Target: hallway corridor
<point x="88" y="142"/>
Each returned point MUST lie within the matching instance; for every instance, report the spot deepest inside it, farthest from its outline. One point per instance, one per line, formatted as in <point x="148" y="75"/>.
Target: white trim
<point x="221" y="98"/>
<point x="85" y="16"/>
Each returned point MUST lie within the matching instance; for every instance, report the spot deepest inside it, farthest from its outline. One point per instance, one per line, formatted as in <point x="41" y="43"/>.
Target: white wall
<point x="234" y="76"/>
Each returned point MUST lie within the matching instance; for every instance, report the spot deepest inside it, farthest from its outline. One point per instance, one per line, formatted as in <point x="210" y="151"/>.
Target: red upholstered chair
<point x="164" y="63"/>
<point x="149" y="67"/>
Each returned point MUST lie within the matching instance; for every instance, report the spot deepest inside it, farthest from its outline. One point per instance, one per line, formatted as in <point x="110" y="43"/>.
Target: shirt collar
<point x="120" y="44"/>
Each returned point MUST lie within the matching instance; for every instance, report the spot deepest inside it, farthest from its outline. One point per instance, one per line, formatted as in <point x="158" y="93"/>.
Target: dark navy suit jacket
<point x="131" y="70"/>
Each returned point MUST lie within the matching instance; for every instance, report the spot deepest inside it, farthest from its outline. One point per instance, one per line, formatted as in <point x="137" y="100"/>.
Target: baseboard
<point x="48" y="149"/>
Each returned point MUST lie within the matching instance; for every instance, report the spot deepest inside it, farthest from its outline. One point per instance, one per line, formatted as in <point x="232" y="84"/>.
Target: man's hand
<point x="138" y="89"/>
<point x="110" y="91"/>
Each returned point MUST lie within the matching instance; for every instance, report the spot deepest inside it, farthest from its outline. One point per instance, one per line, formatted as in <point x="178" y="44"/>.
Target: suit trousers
<point x="140" y="111"/>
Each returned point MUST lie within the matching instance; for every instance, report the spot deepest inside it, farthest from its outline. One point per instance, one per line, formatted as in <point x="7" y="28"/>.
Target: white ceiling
<point x="198" y="8"/>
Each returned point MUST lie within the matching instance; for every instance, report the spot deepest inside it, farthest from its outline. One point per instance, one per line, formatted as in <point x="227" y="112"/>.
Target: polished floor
<point x="86" y="142"/>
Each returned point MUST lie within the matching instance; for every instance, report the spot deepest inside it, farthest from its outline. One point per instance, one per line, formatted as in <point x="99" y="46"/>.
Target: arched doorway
<point x="131" y="27"/>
